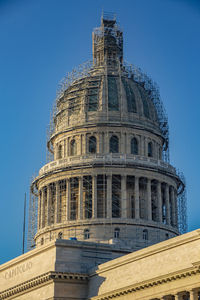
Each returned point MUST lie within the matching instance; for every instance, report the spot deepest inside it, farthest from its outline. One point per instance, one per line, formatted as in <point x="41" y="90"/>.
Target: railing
<point x="105" y="159"/>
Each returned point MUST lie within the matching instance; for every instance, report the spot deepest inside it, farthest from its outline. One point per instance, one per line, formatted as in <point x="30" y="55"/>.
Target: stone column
<point x="107" y="143"/>
<point x="57" y="204"/>
<point x="67" y="147"/>
<point x="94" y="197"/>
<point x="176" y="208"/>
<point x="123" y="147"/>
<point x="80" y="199"/>
<point x="167" y="204"/>
<point x="193" y="294"/>
<point x="39" y="210"/>
<point x="67" y="199"/>
<point x="149" y="205"/>
<point x="137" y="200"/>
<point x="124" y="197"/>
<point x="81" y="144"/>
<point x="48" y="204"/>
<point x="142" y="146"/>
<point x="84" y="150"/>
<point x="42" y="215"/>
<point x="109" y="196"/>
<point x="159" y="195"/>
<point x="173" y="207"/>
<point x="177" y="297"/>
<point x="100" y="149"/>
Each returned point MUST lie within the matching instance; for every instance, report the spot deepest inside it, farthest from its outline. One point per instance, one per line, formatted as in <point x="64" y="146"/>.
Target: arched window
<point x="116" y="233"/>
<point x="134" y="146"/>
<point x="166" y="236"/>
<point x="86" y="234"/>
<point x="92" y="144"/>
<point x="145" y="234"/>
<point x="114" y="144"/>
<point x="150" y="149"/>
<point x="73" y="148"/>
<point x="59" y="151"/>
<point x="60" y="235"/>
<point x="42" y="241"/>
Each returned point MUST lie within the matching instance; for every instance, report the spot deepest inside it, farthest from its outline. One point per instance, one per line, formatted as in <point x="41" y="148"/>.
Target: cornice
<point x="150" y="283"/>
<point x="42" y="280"/>
<point x="149" y="251"/>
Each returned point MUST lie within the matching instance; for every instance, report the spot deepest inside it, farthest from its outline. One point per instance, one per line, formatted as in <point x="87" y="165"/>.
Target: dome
<point x="108" y="180"/>
<point x="123" y="94"/>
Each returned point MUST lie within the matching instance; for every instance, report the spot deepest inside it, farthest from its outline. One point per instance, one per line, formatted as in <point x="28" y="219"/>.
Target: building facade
<point x="108" y="191"/>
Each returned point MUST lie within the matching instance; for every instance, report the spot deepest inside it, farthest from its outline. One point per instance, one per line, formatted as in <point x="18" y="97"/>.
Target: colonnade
<point x="107" y="196"/>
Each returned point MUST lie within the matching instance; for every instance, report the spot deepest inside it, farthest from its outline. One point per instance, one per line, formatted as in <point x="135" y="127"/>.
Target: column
<point x="193" y="294"/>
<point x="67" y="199"/>
<point x="84" y="148"/>
<point x="107" y="143"/>
<point x="109" y="196"/>
<point x="159" y="201"/>
<point x="94" y="196"/>
<point x="123" y="150"/>
<point x="80" y="199"/>
<point x="137" y="200"/>
<point x="173" y="207"/>
<point x="81" y="144"/>
<point x="100" y="148"/>
<point x="39" y="211"/>
<point x="67" y="147"/>
<point x="42" y="216"/>
<point x="48" y="204"/>
<point x="176" y="208"/>
<point x="124" y="197"/>
<point x="149" y="206"/>
<point x="57" y="218"/>
<point x="142" y="146"/>
<point x="167" y="204"/>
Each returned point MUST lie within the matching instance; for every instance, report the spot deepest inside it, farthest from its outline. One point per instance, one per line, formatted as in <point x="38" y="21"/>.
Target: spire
<point x="107" y="43"/>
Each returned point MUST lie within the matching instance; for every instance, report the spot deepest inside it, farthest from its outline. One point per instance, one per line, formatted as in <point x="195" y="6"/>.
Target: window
<point x="92" y="144"/>
<point x="166" y="236"/>
<point x="145" y="234"/>
<point x="116" y="233"/>
<point x="59" y="151"/>
<point x="114" y="144"/>
<point x="60" y="235"/>
<point x="150" y="149"/>
<point x="113" y="102"/>
<point x="134" y="146"/>
<point x="42" y="241"/>
<point x="73" y="148"/>
<point x="86" y="234"/>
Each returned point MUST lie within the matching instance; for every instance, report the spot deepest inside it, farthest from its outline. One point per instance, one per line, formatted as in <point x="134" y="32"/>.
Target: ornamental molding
<point x="42" y="280"/>
<point x="148" y="284"/>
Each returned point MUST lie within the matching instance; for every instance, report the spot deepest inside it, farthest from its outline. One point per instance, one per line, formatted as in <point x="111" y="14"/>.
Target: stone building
<point x="108" y="191"/>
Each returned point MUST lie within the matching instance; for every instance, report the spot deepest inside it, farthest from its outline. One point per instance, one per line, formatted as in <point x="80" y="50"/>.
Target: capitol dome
<point x="109" y="179"/>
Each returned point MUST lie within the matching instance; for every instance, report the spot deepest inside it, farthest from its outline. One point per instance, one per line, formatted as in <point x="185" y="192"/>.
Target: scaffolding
<point x="32" y="218"/>
<point x="182" y="204"/>
<point x="152" y="89"/>
<point x="71" y="90"/>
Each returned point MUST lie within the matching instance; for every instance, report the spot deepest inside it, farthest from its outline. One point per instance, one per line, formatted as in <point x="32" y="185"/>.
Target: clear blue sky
<point x="41" y="40"/>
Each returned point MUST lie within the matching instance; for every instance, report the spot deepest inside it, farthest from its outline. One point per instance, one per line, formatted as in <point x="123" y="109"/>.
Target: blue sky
<point x="41" y="40"/>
